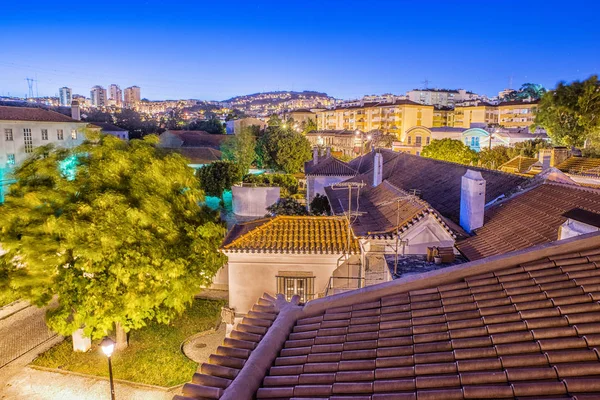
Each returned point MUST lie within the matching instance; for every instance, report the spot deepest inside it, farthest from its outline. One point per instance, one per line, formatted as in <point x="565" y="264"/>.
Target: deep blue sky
<point x="218" y="49"/>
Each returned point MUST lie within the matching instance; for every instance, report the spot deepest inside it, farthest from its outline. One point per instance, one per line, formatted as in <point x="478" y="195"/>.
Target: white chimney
<point x="377" y="169"/>
<point x="328" y="153"/>
<point x="472" y="200"/>
<point x="315" y="155"/>
<point x="545" y="157"/>
<point x="75" y="114"/>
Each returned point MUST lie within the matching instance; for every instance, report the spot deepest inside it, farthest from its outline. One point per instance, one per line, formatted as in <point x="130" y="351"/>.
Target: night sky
<point x="219" y="49"/>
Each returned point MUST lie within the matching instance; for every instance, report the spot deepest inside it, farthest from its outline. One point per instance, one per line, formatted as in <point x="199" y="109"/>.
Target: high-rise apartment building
<point x="132" y="96"/>
<point x="441" y="97"/>
<point x="66" y="96"/>
<point x="98" y="96"/>
<point x="115" y="95"/>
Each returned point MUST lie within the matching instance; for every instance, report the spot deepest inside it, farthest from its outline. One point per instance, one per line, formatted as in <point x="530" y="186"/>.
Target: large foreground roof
<point x="523" y="325"/>
<point x="8" y="113"/>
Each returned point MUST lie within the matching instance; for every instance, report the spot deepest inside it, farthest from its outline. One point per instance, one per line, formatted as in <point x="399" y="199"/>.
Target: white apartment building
<point x="66" y="96"/>
<point x="440" y="97"/>
<point x="132" y="96"/>
<point x="115" y="95"/>
<point x="22" y="129"/>
<point x="98" y="96"/>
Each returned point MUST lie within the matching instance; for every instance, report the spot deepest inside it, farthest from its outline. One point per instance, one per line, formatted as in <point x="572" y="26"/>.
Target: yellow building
<point x="388" y="117"/>
<point x="482" y="113"/>
<point x="443" y="116"/>
<point x="517" y="114"/>
<point x="418" y="137"/>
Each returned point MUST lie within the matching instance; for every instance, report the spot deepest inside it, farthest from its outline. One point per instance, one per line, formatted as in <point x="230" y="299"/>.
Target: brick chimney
<point x="472" y="200"/>
<point x="75" y="112"/>
<point x="377" y="169"/>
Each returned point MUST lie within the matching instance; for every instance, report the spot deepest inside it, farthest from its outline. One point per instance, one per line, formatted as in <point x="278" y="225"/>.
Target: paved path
<point x="22" y="331"/>
<point x="32" y="384"/>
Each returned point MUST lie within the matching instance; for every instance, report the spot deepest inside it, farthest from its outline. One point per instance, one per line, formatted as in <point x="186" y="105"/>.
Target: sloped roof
<point x="106" y="126"/>
<point x="528" y="218"/>
<point x="8" y="113"/>
<point x="200" y="138"/>
<point x="439" y="182"/>
<point x="329" y="166"/>
<point x="365" y="162"/>
<point x="519" y="164"/>
<point x="199" y="155"/>
<point x="578" y="164"/>
<point x="292" y="234"/>
<point x="521" y="326"/>
<point x="381" y="210"/>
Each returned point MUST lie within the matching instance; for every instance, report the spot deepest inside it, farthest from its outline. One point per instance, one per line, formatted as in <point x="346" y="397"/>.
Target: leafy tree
<point x="219" y="176"/>
<point x="241" y="148"/>
<point x="174" y="119"/>
<point x="283" y="149"/>
<point x="493" y="158"/>
<point x="571" y="112"/>
<point x="287" y="206"/>
<point x="137" y="126"/>
<point x="96" y="115"/>
<point x="450" y="150"/>
<point x="529" y="148"/>
<point x="309" y="126"/>
<point x="287" y="183"/>
<point x="274" y="120"/>
<point x="528" y="91"/>
<point x="320" y="205"/>
<point x="110" y="229"/>
<point x="212" y="125"/>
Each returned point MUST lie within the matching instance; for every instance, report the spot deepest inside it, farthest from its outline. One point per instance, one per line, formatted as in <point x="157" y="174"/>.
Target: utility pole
<point x="30" y="86"/>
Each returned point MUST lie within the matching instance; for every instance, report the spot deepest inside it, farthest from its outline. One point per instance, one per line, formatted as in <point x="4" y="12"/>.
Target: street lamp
<point x="108" y="346"/>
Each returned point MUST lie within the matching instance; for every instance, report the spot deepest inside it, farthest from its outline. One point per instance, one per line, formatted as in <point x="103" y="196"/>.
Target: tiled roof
<point x="518" y="103"/>
<point x="520" y="326"/>
<point x="105" y="126"/>
<point x="382" y="209"/>
<point x="364" y="163"/>
<point x="329" y="132"/>
<point x="292" y="234"/>
<point x="200" y="138"/>
<point x="199" y="155"/>
<point x="528" y="218"/>
<point x="439" y="182"/>
<point x="32" y="114"/>
<point x="329" y="166"/>
<point x="518" y="165"/>
<point x="578" y="164"/>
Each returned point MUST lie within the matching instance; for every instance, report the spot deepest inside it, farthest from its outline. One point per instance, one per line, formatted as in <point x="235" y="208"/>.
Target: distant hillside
<point x="277" y="95"/>
<point x="264" y="104"/>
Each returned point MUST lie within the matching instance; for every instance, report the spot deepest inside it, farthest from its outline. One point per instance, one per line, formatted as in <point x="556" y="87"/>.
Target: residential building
<point x="132" y="96"/>
<point x="480" y="113"/>
<point x="301" y="116"/>
<point x="441" y="97"/>
<point x="199" y="147"/>
<point x="387" y="117"/>
<point x="235" y="126"/>
<point x="65" y="96"/>
<point x="517" y="114"/>
<point x="116" y="95"/>
<point x="418" y="137"/>
<point x="323" y="171"/>
<point x="484" y="137"/>
<point x="513" y="326"/>
<point x="504" y="93"/>
<point x="287" y="254"/>
<point x="443" y="116"/>
<point x="22" y="129"/>
<point x="98" y="96"/>
<point x="344" y="142"/>
<point x="110" y="129"/>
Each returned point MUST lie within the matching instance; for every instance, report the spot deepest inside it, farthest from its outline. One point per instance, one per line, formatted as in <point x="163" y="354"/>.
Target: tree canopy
<point x="527" y="91"/>
<point x="571" y="112"/>
<point x="450" y="150"/>
<point x="241" y="148"/>
<point x="212" y="125"/>
<point x="283" y="149"/>
<point x="219" y="176"/>
<point x="320" y="205"/>
<point x="113" y="230"/>
<point x="287" y="183"/>
<point x="287" y="206"/>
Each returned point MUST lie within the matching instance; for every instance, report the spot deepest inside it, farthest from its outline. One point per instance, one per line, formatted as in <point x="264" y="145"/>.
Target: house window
<point x="44" y="134"/>
<point x="60" y="134"/>
<point x="427" y="140"/>
<point x="410" y="140"/>
<point x="28" y="140"/>
<point x="74" y="134"/>
<point x="417" y="140"/>
<point x="290" y="286"/>
<point x="10" y="159"/>
<point x="8" y="134"/>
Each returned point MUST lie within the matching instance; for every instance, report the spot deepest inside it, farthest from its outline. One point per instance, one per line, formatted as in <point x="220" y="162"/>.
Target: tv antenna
<point x="425" y="83"/>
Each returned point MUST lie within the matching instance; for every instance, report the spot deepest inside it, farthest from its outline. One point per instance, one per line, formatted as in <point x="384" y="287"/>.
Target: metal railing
<point x="341" y="284"/>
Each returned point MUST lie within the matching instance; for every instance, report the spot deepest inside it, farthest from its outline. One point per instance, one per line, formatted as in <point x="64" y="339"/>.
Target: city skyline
<point x="213" y="53"/>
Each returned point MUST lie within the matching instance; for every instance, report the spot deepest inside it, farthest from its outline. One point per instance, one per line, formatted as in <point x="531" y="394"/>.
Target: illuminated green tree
<point x="450" y="150"/>
<point x="110" y="229"/>
<point x="241" y="148"/>
<point x="283" y="149"/>
<point x="219" y="176"/>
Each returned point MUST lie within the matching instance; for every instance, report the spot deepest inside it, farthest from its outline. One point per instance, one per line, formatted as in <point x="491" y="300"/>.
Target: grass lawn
<point x="153" y="356"/>
<point x="7" y="297"/>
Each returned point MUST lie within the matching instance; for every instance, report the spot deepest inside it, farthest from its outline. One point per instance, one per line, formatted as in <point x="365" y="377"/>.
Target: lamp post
<point x="108" y="346"/>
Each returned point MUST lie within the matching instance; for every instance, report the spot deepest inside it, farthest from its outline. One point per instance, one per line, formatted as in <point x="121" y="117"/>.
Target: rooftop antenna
<point x="30" y="85"/>
<point x="425" y="83"/>
<point x="510" y="82"/>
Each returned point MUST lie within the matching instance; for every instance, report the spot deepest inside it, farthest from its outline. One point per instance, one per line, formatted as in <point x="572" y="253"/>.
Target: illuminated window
<point x="409" y="139"/>
<point x="28" y="140"/>
<point x="10" y="159"/>
<point x="44" y="134"/>
<point x="290" y="286"/>
<point x="60" y="135"/>
<point x="8" y="134"/>
<point x="74" y="134"/>
<point x="417" y="140"/>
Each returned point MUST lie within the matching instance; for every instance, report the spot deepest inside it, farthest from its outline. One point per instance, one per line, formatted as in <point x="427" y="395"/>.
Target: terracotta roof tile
<point x="578" y="165"/>
<point x="529" y="218"/>
<point x="329" y="166"/>
<point x="32" y="114"/>
<point x="291" y="234"/>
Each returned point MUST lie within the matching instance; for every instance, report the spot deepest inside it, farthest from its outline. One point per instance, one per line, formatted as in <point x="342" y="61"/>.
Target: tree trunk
<point x="122" y="342"/>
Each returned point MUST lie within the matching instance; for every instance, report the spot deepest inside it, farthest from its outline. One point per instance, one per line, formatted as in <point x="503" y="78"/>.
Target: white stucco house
<point x="324" y="171"/>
